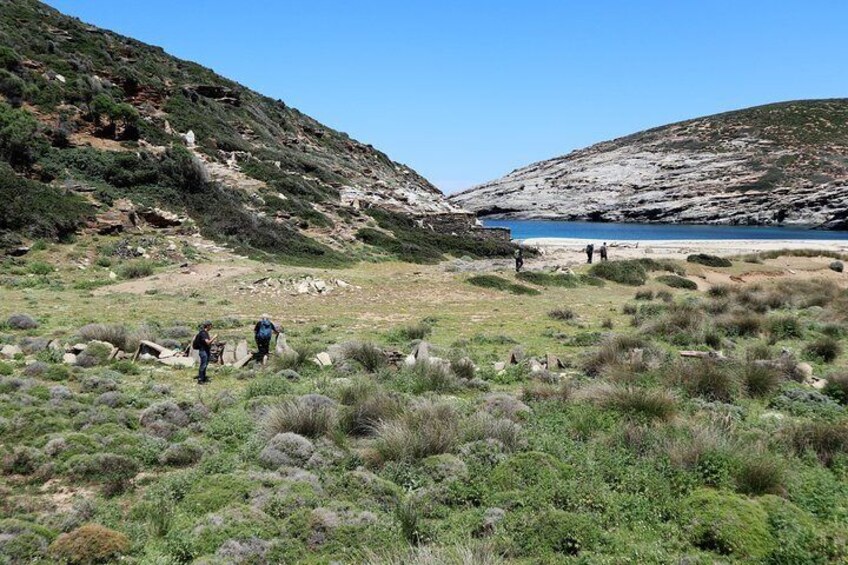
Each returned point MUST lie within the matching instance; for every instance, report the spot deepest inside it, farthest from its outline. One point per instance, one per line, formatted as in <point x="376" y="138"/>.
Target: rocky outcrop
<point x="777" y="164"/>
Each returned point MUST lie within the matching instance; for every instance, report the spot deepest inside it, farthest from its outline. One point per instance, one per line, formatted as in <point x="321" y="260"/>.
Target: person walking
<point x="590" y="250"/>
<point x="263" y="332"/>
<point x="203" y="344"/>
<point x="603" y="251"/>
<point x="519" y="259"/>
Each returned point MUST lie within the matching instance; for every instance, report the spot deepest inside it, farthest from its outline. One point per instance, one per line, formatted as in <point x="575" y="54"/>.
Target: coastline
<point x="629" y="249"/>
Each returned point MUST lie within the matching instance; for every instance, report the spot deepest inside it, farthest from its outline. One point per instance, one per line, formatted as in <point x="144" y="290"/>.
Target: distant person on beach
<point x="603" y="251"/>
<point x="590" y="250"/>
<point x="203" y="344"/>
<point x="263" y="331"/>
<point x="519" y="259"/>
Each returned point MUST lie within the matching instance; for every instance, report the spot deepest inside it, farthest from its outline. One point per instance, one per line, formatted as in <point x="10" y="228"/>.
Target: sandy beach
<point x="678" y="249"/>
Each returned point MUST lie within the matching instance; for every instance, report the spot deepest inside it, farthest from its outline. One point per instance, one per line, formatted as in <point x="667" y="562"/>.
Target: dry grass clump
<point x="826" y="439"/>
<point x="303" y="417"/>
<point x="365" y="406"/>
<point x="482" y="425"/>
<point x="538" y="391"/>
<point x="562" y="314"/>
<point x="295" y="359"/>
<point x="463" y="554"/>
<point x="366" y="354"/>
<point x="463" y="368"/>
<point x="680" y="318"/>
<point x="430" y="376"/>
<point x="837" y="387"/>
<point x="741" y="322"/>
<point x="429" y="428"/>
<point x="760" y="380"/>
<point x="697" y="446"/>
<point x="411" y="332"/>
<point x="641" y="403"/>
<point x="705" y="378"/>
<point x="761" y="473"/>
<point x="616" y="349"/>
<point x="825" y="349"/>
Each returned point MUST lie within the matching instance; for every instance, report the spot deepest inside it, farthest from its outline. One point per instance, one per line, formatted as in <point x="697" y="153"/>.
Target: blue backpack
<point x="266" y="329"/>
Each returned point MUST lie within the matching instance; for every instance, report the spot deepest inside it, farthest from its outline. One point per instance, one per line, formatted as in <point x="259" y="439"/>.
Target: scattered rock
<point x="10" y="351"/>
<point x="837" y="266"/>
<point x="69" y="359"/>
<point x="183" y="362"/>
<point x="323" y="359"/>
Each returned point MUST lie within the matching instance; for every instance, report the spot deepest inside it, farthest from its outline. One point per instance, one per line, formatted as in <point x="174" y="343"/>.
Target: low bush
<point x="556" y="532"/>
<point x="709" y="260"/>
<point x="118" y="335"/>
<point x="21" y="322"/>
<point x="675" y="281"/>
<point x="562" y="314"/>
<point x="727" y="524"/>
<point x="91" y="543"/>
<point x="268" y="385"/>
<point x="499" y="283"/>
<point x="837" y="387"/>
<point x="23" y="542"/>
<point x="485" y="426"/>
<point x="94" y="354"/>
<point x="428" y="376"/>
<point x="784" y="327"/>
<point x="411" y="332"/>
<point x="114" y="471"/>
<point x="536" y="391"/>
<point x="136" y="269"/>
<point x="825" y="349"/>
<point x="646" y="294"/>
<point x="614" y="350"/>
<point x="630" y="272"/>
<point x="302" y="416"/>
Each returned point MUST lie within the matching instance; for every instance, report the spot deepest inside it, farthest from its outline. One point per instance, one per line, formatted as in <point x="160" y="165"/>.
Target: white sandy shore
<point x="677" y="248"/>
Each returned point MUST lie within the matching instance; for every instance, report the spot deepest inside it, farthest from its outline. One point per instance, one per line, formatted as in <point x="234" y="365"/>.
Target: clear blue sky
<point x="465" y="91"/>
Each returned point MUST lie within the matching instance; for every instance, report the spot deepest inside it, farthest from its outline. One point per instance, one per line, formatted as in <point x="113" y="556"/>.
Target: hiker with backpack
<point x="263" y="332"/>
<point x="590" y="250"/>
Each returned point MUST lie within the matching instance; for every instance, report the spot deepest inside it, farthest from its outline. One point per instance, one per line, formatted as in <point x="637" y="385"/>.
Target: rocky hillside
<point x="782" y="163"/>
<point x="89" y="118"/>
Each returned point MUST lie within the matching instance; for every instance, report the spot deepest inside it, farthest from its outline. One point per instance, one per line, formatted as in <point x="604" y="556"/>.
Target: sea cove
<point x="536" y="229"/>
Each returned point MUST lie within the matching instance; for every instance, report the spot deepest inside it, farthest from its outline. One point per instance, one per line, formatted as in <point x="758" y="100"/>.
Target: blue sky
<point x="465" y="91"/>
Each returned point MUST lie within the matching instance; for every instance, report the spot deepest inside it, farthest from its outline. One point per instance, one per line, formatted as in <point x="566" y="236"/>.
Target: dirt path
<point x="195" y="276"/>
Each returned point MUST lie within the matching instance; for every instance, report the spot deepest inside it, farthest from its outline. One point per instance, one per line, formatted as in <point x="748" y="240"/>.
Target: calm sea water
<point x="525" y="229"/>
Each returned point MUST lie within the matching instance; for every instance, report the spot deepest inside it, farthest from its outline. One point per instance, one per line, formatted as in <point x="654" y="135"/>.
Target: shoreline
<point x="629" y="249"/>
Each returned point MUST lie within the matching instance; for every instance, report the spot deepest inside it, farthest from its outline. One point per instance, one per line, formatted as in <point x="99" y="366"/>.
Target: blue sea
<point x="603" y="231"/>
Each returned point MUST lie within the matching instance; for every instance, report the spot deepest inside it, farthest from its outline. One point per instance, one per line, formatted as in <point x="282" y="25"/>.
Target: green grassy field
<point x="629" y="453"/>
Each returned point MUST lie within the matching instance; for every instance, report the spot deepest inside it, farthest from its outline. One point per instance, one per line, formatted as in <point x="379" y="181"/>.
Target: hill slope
<point x="91" y="117"/>
<point x="780" y="163"/>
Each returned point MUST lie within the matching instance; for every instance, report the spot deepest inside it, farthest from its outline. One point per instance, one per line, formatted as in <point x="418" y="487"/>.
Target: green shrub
<point x="426" y="376"/>
<point x="136" y="269"/>
<point x="727" y="524"/>
<point x="629" y="272"/>
<point x="527" y="471"/>
<point x="91" y="543"/>
<point x="837" y="387"/>
<point x="796" y="531"/>
<point x="268" y="385"/>
<point x="38" y="210"/>
<point x="675" y="281"/>
<point x="498" y="283"/>
<point x="646" y="294"/>
<point x="564" y="280"/>
<point x="557" y="532"/>
<point x="709" y="260"/>
<point x="115" y="471"/>
<point x="411" y="332"/>
<point x="23" y="542"/>
<point x="785" y="327"/>
<point x="825" y="349"/>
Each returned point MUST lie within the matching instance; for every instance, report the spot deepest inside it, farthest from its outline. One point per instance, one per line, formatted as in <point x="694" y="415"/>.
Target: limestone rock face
<point x="776" y="164"/>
